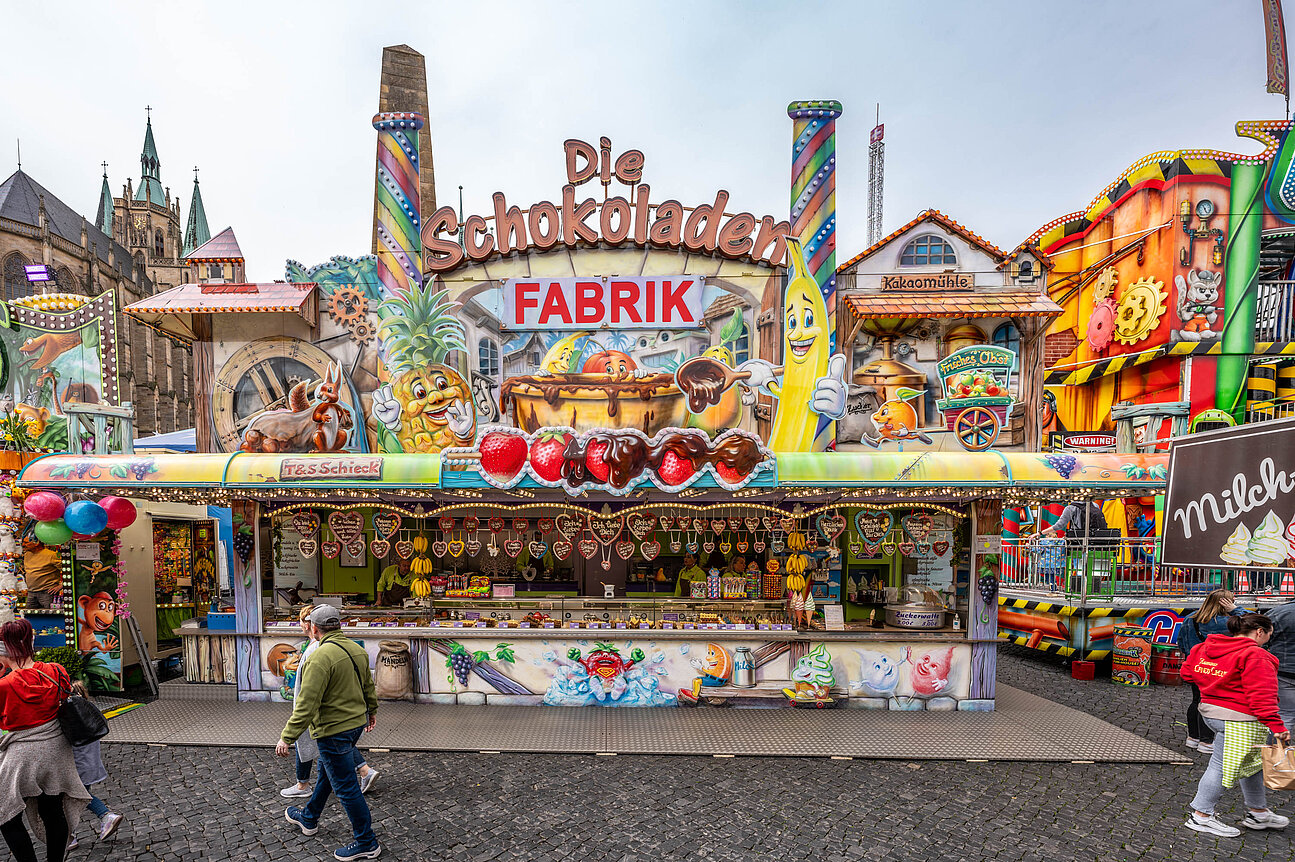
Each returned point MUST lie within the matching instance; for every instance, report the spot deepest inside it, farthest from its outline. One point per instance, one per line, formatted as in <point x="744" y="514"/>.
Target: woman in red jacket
<point x="37" y="773"/>
<point x="1238" y="682"/>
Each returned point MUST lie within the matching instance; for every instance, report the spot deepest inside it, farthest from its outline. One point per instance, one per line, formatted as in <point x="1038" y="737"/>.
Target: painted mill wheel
<point x="257" y="377"/>
<point x="976" y="428"/>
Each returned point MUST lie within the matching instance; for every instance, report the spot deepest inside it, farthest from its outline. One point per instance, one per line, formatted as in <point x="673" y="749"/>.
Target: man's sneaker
<point x="367" y="779"/>
<point x="354" y="851"/>
<point x="1205" y="748"/>
<point x="1212" y="825"/>
<point x="72" y="842"/>
<point x="1192" y="742"/>
<point x="296" y="791"/>
<point x="297" y="816"/>
<point x="109" y="825"/>
<point x="1265" y="820"/>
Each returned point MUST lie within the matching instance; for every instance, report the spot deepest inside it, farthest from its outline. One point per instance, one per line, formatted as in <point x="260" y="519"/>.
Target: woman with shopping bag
<point x="1238" y="682"/>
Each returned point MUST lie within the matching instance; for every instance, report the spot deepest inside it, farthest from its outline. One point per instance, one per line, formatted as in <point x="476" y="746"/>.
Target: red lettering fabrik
<point x="625" y="299"/>
<point x="672" y="299"/>
<point x="589" y="303"/>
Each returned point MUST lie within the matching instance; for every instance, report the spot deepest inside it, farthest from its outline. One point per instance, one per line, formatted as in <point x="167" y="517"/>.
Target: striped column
<point x="1286" y="383"/>
<point x="399" y="219"/>
<point x="1261" y="389"/>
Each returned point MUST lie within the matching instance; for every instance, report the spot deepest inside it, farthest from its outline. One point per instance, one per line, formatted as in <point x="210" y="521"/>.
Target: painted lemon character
<point x="428" y="405"/>
<point x="813" y="378"/>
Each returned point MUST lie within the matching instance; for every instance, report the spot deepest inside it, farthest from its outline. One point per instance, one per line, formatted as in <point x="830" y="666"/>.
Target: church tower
<point x="147" y="220"/>
<point x="197" y="232"/>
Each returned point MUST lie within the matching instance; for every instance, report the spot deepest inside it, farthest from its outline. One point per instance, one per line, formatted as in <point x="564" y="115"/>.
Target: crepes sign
<point x="1231" y="500"/>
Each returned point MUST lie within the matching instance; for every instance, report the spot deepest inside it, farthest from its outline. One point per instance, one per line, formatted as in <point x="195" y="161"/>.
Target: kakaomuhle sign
<point x="306" y="469"/>
<point x="1231" y="501"/>
<point x="615" y="220"/>
<point x="672" y="302"/>
<point x="929" y="281"/>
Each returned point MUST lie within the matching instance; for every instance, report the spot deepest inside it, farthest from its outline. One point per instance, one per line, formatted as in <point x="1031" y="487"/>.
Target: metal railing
<point x="1122" y="568"/>
<point x="1263" y="411"/>
<point x="1275" y="311"/>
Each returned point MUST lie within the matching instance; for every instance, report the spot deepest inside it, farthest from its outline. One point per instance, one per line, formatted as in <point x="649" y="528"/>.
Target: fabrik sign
<point x="1232" y="498"/>
<point x="615" y="220"/>
<point x="671" y="302"/>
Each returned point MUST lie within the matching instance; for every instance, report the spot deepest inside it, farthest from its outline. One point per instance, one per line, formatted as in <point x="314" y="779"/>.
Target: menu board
<point x="933" y="573"/>
<point x="291" y="565"/>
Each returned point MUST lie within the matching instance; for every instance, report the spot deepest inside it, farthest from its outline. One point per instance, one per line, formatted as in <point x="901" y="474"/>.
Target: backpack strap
<point x="58" y="683"/>
<point x="355" y="667"/>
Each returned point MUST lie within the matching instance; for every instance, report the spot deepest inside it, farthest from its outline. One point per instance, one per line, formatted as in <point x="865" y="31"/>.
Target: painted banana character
<point x="811" y="375"/>
<point x="558" y="358"/>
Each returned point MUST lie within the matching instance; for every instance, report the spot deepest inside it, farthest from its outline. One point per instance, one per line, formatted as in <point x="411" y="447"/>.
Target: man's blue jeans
<point x="337" y="775"/>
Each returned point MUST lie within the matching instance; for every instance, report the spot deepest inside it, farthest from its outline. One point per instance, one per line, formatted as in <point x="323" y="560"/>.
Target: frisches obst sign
<point x="1231" y="501"/>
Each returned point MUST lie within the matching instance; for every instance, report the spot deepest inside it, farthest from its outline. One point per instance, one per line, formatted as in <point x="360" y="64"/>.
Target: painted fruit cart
<point x="976" y="400"/>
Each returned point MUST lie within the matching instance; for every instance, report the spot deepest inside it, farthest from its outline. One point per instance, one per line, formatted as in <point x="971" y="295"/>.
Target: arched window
<point x="15" y="277"/>
<point x="66" y="282"/>
<point x="1008" y="336"/>
<point x="488" y="358"/>
<point x="926" y="251"/>
<point x="159" y="244"/>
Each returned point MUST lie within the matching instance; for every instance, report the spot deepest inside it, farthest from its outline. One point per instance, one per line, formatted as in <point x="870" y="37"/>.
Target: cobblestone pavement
<point x="213" y="803"/>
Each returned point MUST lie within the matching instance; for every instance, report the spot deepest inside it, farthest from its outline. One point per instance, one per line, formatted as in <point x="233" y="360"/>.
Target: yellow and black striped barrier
<point x="1103" y="367"/>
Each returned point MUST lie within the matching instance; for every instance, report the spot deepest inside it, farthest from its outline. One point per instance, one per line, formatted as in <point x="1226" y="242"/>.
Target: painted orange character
<point x="896" y="420"/>
<point x="94" y="615"/>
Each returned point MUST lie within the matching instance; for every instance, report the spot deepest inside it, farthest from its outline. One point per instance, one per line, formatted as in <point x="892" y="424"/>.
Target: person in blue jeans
<point x="89" y="765"/>
<point x="337" y="702"/>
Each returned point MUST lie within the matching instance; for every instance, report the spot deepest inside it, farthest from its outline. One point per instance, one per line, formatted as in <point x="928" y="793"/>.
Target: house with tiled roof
<point x="929" y="289"/>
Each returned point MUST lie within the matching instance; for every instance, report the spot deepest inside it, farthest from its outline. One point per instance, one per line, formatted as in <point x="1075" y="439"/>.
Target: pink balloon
<point x="44" y="505"/>
<point x="121" y="512"/>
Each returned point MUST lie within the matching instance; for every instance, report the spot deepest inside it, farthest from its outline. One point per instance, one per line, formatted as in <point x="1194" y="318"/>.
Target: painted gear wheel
<point x="362" y="331"/>
<point x="1101" y="326"/>
<point x="1140" y="309"/>
<point x="347" y="305"/>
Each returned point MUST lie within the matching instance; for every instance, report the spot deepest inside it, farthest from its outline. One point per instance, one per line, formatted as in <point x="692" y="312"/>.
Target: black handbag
<point x="81" y="721"/>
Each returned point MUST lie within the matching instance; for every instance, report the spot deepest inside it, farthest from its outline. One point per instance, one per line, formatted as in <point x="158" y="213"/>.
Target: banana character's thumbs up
<point x="830" y="390"/>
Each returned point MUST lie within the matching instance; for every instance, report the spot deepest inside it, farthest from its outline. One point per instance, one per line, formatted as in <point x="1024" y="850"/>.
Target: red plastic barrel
<point x="1166" y="662"/>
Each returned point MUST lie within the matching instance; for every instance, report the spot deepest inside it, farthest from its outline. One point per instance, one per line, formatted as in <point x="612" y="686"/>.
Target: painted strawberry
<point x="594" y="463"/>
<point x="675" y="469"/>
<point x="502" y="455"/>
<point x="547" y="454"/>
<point x="729" y="474"/>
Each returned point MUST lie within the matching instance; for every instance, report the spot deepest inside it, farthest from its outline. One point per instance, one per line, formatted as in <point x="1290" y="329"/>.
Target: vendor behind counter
<point x="689" y="573"/>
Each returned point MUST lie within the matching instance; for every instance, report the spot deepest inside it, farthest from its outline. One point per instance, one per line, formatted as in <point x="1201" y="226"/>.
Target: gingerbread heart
<point x="472" y="546"/>
<point x="331" y="549"/>
<point x="404" y="549"/>
<point x="346" y="526"/>
<point x="873" y="525"/>
<point x="907" y="548"/>
<point x="380" y="548"/>
<point x="587" y="548"/>
<point x="650" y="550"/>
<point x="445" y="524"/>
<point x="708" y="546"/>
<point x="767" y="521"/>
<point x="606" y="564"/>
<point x="698" y="524"/>
<point x="675" y="546"/>
<point x="640" y="524"/>
<point x="872" y="549"/>
<point x="568" y="525"/>
<point x="830" y="525"/>
<point x="856" y="549"/>
<point x="456" y="547"/>
<point x="471" y="523"/>
<point x="787" y="524"/>
<point x="665" y="521"/>
<point x="305" y="523"/>
<point x="718" y="525"/>
<point x="778" y="546"/>
<point x="606" y="530"/>
<point x="918" y="525"/>
<point x="759" y="546"/>
<point x="537" y="550"/>
<point x="940" y="548"/>
<point x="741" y="547"/>
<point x="544" y="525"/>
<point x="385" y="524"/>
<point x="495" y="524"/>
<point x="513" y="547"/>
<point x="492" y="549"/>
<point x="356" y="549"/>
<point x="440" y="547"/>
<point x="562" y="549"/>
<point x="625" y="549"/>
<point x="308" y="547"/>
<point x="521" y="525"/>
<point x="692" y="547"/>
<point x="752" y="523"/>
<point x="735" y="523"/>
<point x="811" y="542"/>
<point x="725" y="547"/>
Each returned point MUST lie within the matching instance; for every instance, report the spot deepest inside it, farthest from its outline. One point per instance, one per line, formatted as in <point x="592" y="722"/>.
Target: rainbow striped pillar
<point x="813" y="208"/>
<point x="399" y="212"/>
<point x="1012" y="560"/>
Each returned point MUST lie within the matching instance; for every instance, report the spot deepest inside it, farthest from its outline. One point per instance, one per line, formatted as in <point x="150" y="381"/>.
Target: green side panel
<point x="1245" y="220"/>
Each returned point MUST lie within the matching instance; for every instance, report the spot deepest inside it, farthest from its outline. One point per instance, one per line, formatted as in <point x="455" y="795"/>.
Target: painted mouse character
<point x="1198" y="304"/>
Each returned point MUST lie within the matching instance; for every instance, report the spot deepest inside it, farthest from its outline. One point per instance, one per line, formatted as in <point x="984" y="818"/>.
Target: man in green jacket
<point x="337" y="702"/>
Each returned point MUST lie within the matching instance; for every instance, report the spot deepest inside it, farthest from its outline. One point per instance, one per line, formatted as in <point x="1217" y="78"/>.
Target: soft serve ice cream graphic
<point x="1267" y="545"/>
<point x="1236" y="548"/>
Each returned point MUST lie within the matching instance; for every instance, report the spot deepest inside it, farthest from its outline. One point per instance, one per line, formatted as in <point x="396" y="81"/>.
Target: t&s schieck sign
<point x="1231" y="500"/>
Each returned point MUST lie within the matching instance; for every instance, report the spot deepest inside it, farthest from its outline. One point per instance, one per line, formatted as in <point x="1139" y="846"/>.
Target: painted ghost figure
<point x="930" y="673"/>
<point x="878" y="673"/>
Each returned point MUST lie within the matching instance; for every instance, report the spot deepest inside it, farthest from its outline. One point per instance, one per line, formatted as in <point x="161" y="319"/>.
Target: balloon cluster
<point x="58" y="521"/>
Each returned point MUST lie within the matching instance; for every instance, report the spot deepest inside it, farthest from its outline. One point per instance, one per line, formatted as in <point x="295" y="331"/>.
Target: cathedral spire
<point x="103" y="216"/>
<point x="150" y="168"/>
<point x="197" y="232"/>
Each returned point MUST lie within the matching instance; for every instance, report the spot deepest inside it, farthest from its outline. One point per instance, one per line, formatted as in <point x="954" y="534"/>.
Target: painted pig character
<point x="930" y="673"/>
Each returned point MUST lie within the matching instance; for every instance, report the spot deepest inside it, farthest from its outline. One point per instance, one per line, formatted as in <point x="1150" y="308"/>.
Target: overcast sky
<point x="1002" y="113"/>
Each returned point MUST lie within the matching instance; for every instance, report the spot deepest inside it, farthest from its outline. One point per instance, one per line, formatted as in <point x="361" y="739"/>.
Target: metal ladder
<point x="145" y="661"/>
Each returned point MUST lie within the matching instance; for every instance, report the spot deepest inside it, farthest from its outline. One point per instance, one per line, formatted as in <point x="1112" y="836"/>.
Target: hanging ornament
<point x="385" y="524"/>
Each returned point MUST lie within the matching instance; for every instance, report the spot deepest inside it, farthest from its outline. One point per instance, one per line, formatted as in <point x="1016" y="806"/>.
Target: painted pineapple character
<point x="428" y="405"/>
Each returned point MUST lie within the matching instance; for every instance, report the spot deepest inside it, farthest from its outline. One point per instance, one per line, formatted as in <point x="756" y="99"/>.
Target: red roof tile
<point x="951" y="303"/>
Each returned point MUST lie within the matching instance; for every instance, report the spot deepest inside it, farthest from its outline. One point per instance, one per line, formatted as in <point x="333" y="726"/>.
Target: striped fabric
<point x="1241" y="750"/>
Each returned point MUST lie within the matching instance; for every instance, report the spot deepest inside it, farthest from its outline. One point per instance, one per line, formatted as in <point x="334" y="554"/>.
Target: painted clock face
<point x="1139" y="310"/>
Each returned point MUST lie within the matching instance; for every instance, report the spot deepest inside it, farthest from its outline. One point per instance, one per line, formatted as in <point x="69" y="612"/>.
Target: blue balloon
<point x="85" y="517"/>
